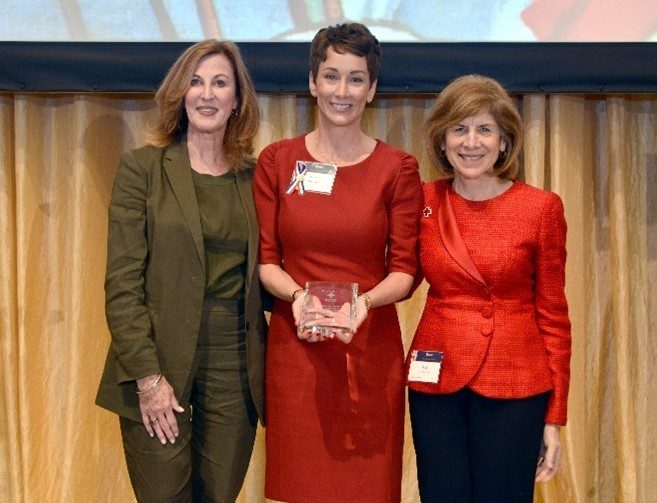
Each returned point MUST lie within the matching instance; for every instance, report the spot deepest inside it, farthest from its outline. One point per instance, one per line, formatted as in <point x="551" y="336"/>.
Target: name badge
<point x="311" y="176"/>
<point x="425" y="366"/>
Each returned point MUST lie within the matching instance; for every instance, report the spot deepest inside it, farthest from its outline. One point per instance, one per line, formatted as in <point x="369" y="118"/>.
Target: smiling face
<point x="211" y="96"/>
<point x="342" y="87"/>
<point x="473" y="145"/>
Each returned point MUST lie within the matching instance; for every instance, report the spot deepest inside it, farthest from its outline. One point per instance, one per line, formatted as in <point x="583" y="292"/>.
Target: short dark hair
<point x="467" y="96"/>
<point x="353" y="38"/>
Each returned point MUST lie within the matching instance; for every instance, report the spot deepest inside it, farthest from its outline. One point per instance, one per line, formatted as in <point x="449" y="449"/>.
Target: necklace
<point x="344" y="158"/>
<point x="200" y="166"/>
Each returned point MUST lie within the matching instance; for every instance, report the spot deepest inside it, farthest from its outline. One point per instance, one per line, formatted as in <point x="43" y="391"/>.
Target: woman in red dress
<point x="493" y="250"/>
<point x="335" y="405"/>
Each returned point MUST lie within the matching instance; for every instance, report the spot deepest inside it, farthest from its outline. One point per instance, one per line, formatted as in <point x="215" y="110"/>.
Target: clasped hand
<point x="327" y="319"/>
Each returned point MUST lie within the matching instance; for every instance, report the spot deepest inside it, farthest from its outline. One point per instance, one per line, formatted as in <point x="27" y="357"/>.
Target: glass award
<point x="329" y="307"/>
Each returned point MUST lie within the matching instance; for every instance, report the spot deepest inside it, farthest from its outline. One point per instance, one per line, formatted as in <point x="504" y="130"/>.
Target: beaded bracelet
<point x="367" y="300"/>
<point x="296" y="292"/>
<point x="151" y="386"/>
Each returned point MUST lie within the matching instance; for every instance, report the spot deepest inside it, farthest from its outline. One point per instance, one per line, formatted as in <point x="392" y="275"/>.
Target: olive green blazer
<point x="155" y="278"/>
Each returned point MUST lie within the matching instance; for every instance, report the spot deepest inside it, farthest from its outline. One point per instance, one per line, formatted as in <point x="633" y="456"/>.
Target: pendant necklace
<point x="345" y="157"/>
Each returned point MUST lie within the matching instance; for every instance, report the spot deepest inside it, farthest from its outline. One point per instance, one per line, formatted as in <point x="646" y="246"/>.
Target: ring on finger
<point x="155" y="420"/>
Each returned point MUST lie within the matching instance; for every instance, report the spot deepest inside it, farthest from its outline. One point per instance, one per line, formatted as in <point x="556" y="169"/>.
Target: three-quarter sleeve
<point x="127" y="256"/>
<point x="403" y="216"/>
<point x="551" y="305"/>
<point x="266" y="197"/>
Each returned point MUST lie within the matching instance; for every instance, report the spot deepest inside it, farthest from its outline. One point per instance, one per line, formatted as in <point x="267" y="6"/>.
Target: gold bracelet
<point x="151" y="386"/>
<point x="367" y="300"/>
<point x="296" y="292"/>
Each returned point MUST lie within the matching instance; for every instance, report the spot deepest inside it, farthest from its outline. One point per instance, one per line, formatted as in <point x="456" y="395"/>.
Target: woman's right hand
<point x="157" y="408"/>
<point x="306" y="335"/>
<point x="296" y="308"/>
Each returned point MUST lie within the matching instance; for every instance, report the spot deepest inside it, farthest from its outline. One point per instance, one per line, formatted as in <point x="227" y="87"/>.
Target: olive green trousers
<point x="210" y="457"/>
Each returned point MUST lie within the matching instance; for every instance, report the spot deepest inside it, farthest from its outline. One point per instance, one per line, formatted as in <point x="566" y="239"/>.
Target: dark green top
<point x="225" y="234"/>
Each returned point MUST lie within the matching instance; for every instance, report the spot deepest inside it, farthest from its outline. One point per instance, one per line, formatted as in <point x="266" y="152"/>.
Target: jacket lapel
<point x="245" y="190"/>
<point x="178" y="171"/>
<point x="451" y="236"/>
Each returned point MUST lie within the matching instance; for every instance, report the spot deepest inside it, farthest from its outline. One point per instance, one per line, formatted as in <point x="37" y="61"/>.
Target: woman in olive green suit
<point x="184" y="369"/>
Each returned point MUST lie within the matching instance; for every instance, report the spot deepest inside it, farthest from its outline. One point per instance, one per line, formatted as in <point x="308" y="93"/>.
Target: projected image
<point x="298" y="20"/>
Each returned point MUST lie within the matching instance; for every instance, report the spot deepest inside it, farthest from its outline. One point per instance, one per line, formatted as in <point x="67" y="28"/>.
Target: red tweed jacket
<point x="496" y="306"/>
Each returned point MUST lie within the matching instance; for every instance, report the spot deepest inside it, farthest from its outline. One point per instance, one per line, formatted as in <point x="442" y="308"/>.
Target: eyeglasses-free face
<point x="473" y="145"/>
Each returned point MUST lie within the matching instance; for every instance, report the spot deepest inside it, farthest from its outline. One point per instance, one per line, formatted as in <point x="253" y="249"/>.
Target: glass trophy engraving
<point x="329" y="307"/>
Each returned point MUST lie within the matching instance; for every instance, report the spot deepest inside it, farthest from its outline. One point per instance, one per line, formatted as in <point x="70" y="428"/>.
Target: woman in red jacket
<point x="489" y="363"/>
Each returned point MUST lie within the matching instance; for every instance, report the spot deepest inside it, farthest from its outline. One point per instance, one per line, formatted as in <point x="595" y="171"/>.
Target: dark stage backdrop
<point x="281" y="67"/>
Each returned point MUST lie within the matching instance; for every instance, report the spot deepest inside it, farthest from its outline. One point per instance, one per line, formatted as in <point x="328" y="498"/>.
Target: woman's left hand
<point x="361" y="312"/>
<point x="342" y="316"/>
<point x="549" y="463"/>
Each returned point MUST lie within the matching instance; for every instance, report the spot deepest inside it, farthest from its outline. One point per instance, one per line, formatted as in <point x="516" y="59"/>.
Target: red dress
<point x="335" y="411"/>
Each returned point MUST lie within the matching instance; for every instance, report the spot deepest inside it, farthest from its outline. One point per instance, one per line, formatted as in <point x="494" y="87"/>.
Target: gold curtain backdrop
<point x="58" y="156"/>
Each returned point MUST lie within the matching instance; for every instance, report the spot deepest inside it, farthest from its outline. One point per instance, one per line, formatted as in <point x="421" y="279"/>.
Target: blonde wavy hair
<point x="467" y="96"/>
